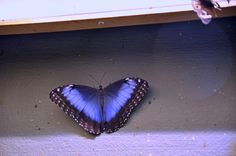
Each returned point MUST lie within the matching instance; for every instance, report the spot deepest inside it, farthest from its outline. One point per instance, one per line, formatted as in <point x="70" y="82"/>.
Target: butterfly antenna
<point x="104" y="74"/>
<point x="94" y="79"/>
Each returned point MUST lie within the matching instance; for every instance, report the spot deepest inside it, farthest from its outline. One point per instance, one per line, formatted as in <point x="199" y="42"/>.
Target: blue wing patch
<point x="99" y="110"/>
<point x="84" y="99"/>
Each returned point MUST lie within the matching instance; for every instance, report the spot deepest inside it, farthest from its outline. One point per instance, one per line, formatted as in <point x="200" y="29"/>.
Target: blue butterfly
<point x="104" y="109"/>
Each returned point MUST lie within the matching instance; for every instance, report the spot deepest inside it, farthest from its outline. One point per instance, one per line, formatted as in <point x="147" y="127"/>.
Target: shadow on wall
<point x="190" y="67"/>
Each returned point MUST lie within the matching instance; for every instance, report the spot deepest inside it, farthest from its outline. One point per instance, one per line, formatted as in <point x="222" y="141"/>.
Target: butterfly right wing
<point x="121" y="98"/>
<point x="82" y="104"/>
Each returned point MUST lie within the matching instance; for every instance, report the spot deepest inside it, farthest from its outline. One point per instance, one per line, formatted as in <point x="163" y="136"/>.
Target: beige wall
<point x="190" y="67"/>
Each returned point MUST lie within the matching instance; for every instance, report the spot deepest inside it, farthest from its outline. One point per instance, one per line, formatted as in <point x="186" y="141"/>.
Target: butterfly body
<point x="208" y="3"/>
<point x="104" y="109"/>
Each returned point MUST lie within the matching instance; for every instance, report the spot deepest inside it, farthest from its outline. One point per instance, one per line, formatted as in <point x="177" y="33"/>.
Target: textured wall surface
<point x="190" y="108"/>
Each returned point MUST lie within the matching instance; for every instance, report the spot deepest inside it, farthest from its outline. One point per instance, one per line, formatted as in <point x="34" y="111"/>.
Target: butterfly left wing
<point x="120" y="100"/>
<point x="82" y="103"/>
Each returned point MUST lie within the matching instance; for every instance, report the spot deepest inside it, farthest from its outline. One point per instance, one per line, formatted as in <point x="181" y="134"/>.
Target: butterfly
<point x="104" y="109"/>
<point x="205" y="9"/>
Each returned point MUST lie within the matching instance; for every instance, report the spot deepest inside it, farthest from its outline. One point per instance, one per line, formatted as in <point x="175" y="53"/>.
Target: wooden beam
<point x="69" y="23"/>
